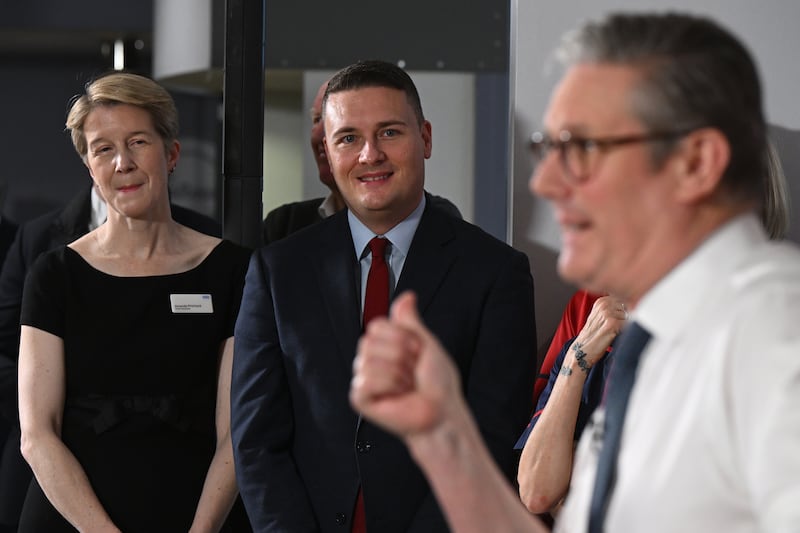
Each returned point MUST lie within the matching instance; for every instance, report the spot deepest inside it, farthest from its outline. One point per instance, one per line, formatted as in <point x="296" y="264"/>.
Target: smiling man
<point x="305" y="460"/>
<point x="294" y="216"/>
<point x="653" y="160"/>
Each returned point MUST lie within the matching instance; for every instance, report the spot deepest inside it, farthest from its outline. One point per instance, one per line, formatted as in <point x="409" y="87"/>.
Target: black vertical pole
<point x="243" y="126"/>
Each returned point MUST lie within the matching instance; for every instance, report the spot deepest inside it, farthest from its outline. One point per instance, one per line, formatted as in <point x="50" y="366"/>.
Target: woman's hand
<point x="606" y="320"/>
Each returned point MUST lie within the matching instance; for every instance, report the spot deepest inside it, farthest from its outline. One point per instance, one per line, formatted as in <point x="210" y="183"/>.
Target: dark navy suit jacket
<point x="300" y="449"/>
<point x="289" y="218"/>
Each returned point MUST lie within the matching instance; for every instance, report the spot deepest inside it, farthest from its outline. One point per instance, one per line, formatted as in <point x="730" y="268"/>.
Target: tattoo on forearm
<point x="580" y="356"/>
<point x="565" y="371"/>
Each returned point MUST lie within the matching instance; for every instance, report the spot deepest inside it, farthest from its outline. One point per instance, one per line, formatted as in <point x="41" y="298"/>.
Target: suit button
<point x="340" y="519"/>
<point x="363" y="447"/>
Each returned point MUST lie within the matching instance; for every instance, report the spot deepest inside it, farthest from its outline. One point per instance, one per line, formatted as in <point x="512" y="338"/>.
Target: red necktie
<point x="376" y="303"/>
<point x="376" y="298"/>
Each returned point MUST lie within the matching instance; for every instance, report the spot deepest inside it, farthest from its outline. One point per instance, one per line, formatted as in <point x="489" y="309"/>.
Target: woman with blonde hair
<point x="127" y="340"/>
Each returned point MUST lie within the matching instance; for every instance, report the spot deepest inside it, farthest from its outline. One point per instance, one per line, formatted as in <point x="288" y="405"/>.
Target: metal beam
<point x="243" y="126"/>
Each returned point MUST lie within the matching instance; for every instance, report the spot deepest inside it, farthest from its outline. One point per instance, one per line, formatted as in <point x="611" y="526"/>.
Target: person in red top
<point x="575" y="383"/>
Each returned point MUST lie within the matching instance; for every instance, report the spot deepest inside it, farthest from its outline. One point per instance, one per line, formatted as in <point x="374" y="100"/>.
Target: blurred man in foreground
<point x="654" y="167"/>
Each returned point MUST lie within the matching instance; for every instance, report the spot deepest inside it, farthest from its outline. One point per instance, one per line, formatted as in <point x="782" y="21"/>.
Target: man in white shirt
<point x="652" y="157"/>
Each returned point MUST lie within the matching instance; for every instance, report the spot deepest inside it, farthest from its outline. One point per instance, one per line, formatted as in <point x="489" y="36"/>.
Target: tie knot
<point x="377" y="247"/>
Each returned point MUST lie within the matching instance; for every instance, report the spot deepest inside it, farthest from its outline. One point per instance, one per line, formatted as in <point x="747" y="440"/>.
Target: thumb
<point x="404" y="313"/>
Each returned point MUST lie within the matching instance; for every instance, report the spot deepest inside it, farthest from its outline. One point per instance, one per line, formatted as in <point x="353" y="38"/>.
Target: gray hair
<point x="694" y="74"/>
<point x="776" y="209"/>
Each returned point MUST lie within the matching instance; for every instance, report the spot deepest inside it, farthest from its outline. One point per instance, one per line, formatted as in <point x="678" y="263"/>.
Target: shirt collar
<point x="664" y="309"/>
<point x="99" y="210"/>
<point x="400" y="236"/>
<point x="327" y="207"/>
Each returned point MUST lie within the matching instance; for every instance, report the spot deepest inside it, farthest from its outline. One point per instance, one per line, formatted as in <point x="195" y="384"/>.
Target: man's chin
<point x="574" y="274"/>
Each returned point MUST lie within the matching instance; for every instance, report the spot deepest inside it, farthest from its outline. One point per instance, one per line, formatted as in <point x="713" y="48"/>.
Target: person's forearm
<point x="65" y="484"/>
<point x="468" y="485"/>
<point x="219" y="491"/>
<point x="546" y="463"/>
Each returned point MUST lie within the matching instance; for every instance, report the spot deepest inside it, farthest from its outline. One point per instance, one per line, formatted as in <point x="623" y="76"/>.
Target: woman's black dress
<point x="141" y="376"/>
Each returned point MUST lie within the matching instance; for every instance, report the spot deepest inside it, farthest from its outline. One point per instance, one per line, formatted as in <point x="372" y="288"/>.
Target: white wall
<point x="182" y="37"/>
<point x="283" y="154"/>
<point x="448" y="100"/>
<point x="768" y="27"/>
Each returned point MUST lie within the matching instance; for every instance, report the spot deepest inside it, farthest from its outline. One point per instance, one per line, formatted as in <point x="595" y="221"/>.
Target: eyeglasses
<point x="579" y="155"/>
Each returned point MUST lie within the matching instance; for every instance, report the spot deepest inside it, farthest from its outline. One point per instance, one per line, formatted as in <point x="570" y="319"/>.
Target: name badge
<point x="191" y="303"/>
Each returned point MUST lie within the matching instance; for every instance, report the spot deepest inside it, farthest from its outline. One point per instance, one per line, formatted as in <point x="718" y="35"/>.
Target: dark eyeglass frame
<point x="542" y="144"/>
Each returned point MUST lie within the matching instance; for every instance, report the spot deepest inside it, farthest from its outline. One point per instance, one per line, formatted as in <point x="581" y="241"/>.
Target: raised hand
<point x="606" y="320"/>
<point x="403" y="379"/>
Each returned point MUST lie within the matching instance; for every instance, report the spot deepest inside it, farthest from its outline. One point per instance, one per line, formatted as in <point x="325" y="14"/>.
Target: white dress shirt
<point x="328" y="207"/>
<point x="711" y="441"/>
<point x="99" y="211"/>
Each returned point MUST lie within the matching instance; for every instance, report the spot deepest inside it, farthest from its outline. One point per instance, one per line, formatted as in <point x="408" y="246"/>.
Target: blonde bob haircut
<point x="123" y="88"/>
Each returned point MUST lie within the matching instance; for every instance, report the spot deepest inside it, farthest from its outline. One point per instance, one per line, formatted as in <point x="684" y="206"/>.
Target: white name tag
<point x="191" y="303"/>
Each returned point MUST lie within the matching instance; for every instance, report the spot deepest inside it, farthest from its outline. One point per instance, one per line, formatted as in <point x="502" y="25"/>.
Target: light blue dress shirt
<point x="399" y="237"/>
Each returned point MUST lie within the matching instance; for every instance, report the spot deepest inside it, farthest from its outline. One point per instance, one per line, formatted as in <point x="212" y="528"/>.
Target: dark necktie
<point x="376" y="303"/>
<point x="626" y="359"/>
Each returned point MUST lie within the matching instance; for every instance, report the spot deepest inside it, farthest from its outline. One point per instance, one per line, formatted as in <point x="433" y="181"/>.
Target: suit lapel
<point x="433" y="250"/>
<point x="73" y="221"/>
<point x="336" y="275"/>
<point x="430" y="256"/>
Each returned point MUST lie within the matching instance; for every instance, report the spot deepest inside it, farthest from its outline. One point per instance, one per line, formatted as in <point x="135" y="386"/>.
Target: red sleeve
<point x="572" y="321"/>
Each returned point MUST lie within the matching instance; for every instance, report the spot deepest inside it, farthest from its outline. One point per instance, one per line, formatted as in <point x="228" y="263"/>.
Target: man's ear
<point x="700" y="163"/>
<point x="427" y="138"/>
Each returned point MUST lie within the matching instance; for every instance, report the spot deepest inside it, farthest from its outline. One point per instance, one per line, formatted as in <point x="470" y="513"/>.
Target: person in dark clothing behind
<point x="8" y="229"/>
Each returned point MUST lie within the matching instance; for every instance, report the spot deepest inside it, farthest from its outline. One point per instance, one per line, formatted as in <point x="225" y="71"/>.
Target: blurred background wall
<point x="482" y="68"/>
<point x="768" y="28"/>
<point x="457" y="54"/>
